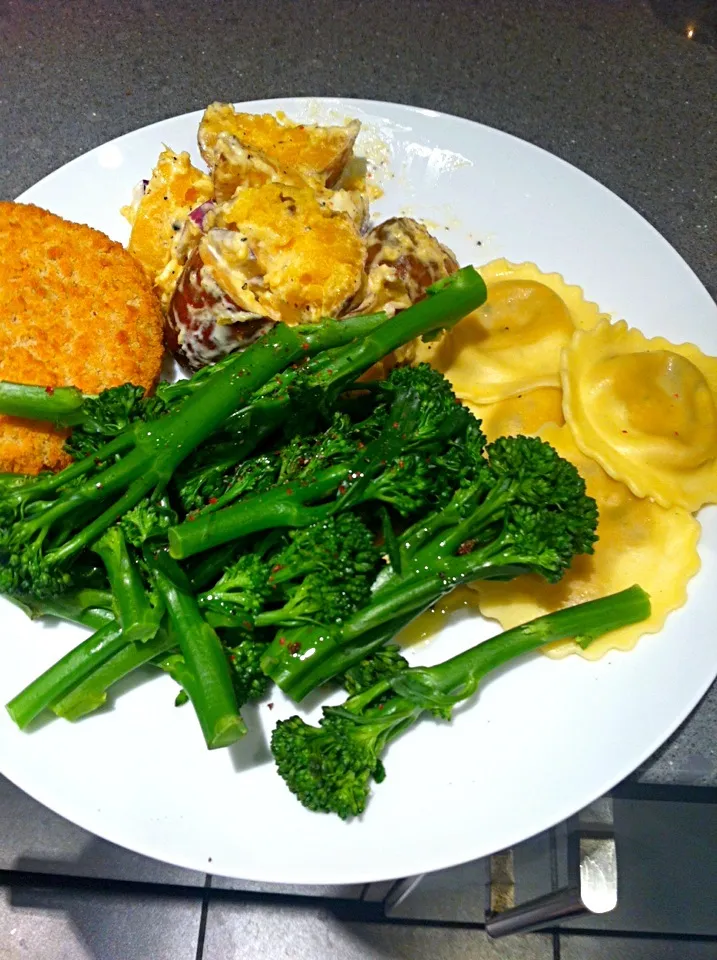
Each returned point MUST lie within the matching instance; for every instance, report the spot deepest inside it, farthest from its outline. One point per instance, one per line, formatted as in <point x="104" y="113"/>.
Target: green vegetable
<point x="323" y="574"/>
<point x="66" y="674"/>
<point x="330" y="767"/>
<point x="375" y="667"/>
<point x="137" y="617"/>
<point x="85" y="606"/>
<point x="91" y="693"/>
<point x="518" y="508"/>
<point x="207" y="679"/>
<point x="420" y="417"/>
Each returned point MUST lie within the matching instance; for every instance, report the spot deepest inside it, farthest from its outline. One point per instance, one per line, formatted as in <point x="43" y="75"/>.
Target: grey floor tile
<point x="457" y="894"/>
<point x="347" y="892"/>
<point x="36" y="839"/>
<point x="282" y="933"/>
<point x="59" y="924"/>
<point x="578" y="947"/>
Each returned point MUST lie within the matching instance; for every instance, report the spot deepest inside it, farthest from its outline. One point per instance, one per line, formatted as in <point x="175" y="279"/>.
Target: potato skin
<point x="417" y="257"/>
<point x="203" y="324"/>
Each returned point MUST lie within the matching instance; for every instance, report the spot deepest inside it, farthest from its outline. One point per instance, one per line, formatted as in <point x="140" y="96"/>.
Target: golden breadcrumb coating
<point x="75" y="310"/>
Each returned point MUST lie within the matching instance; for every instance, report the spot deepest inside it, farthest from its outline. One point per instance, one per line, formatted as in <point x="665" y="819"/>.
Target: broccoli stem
<point x="585" y="622"/>
<point x="61" y="406"/>
<point x="284" y="506"/>
<point x="322" y="652"/>
<point x="91" y="693"/>
<point x="210" y="567"/>
<point x="138" y="619"/>
<point x="86" y="607"/>
<point x="31" y="489"/>
<point x="444" y="685"/>
<point x="65" y="674"/>
<point x="211" y="690"/>
<point x="9" y="481"/>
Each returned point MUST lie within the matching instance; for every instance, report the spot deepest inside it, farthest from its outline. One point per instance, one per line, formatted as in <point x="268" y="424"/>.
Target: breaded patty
<point x="75" y="310"/>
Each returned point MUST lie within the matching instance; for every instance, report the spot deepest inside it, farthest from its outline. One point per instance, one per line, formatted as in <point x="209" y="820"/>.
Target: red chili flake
<point x="401" y="464"/>
<point x="270" y="706"/>
<point x="294" y="647"/>
<point x="277" y="567"/>
<point x="289" y="492"/>
<point x="282" y="641"/>
<point x="676" y="396"/>
<point x="380" y="706"/>
<point x="395" y="425"/>
<point x="49" y="391"/>
<point x="304" y="346"/>
<point x="676" y="433"/>
<point x="233" y="658"/>
<point x="247" y="624"/>
<point x="624" y="431"/>
<point x="192" y="516"/>
<point x="212" y="500"/>
<point x="465" y="548"/>
<point x="361" y="445"/>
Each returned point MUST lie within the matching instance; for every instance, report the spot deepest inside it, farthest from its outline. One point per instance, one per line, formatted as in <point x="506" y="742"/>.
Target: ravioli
<point x="646" y="410"/>
<point x="512" y="344"/>
<point x="526" y="413"/>
<point x="639" y="542"/>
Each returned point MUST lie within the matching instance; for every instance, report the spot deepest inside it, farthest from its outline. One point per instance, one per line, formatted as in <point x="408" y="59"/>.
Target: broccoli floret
<point x="381" y="665"/>
<point x="149" y="520"/>
<point x="304" y="456"/>
<point x="242" y="591"/>
<point x="250" y="682"/>
<point x="220" y="482"/>
<point x="105" y="416"/>
<point x="330" y="767"/>
<point x="324" y="573"/>
<point x="25" y="571"/>
<point x="437" y="414"/>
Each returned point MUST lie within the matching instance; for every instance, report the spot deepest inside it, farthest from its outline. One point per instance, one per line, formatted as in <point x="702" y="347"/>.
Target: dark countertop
<point x="610" y="87"/>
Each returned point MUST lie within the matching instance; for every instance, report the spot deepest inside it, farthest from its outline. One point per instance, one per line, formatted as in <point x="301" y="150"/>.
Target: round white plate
<point x="544" y="738"/>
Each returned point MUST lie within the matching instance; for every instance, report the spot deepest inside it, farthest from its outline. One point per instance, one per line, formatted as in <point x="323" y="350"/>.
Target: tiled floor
<point x="38" y="924"/>
<point x="260" y="933"/>
<point x="66" y="895"/>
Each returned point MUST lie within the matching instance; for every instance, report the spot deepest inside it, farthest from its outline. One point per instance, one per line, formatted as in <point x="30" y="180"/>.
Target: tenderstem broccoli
<point x="330" y="768"/>
<point x="518" y="508"/>
<point x="207" y="680"/>
<point x="420" y="416"/>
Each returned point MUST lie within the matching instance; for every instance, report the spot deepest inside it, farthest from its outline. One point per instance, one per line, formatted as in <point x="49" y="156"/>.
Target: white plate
<point x="544" y="738"/>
